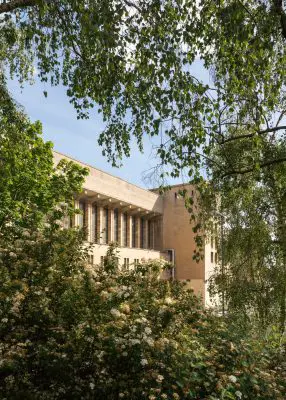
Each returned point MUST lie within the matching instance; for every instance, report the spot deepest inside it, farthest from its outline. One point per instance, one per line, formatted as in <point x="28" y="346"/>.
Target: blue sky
<point x="78" y="138"/>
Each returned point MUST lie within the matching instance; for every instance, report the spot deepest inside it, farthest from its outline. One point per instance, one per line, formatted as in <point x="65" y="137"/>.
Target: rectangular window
<point x="133" y="232"/>
<point x="126" y="264"/>
<point x="105" y="226"/>
<point x="81" y="216"/>
<point x="216" y="258"/>
<point x="150" y="235"/>
<point x="91" y="259"/>
<point x="94" y="223"/>
<point x="102" y="261"/>
<point x="116" y="232"/>
<point x="142" y="229"/>
<point x="212" y="256"/>
<point x="124" y="230"/>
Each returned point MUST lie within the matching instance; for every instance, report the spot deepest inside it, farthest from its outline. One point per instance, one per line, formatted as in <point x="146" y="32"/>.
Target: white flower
<point x="134" y="342"/>
<point x="4" y="320"/>
<point x="232" y="378"/>
<point x="148" y="330"/>
<point x="115" y="313"/>
<point x="92" y="385"/>
<point x="159" y="378"/>
<point x="125" y="354"/>
<point x="238" y="394"/>
<point x="144" y="362"/>
<point x="168" y="300"/>
<point x="104" y="295"/>
<point x="150" y="342"/>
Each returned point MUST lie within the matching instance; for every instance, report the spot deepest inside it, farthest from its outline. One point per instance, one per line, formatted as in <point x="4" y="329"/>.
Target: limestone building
<point x="145" y="224"/>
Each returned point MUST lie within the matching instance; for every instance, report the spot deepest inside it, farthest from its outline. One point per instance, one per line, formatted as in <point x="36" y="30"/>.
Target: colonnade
<point x="105" y="223"/>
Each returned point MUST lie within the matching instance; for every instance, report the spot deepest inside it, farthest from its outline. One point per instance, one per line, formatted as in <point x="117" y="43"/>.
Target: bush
<point x="70" y="330"/>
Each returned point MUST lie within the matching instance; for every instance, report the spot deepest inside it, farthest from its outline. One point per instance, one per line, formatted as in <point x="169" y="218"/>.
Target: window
<point x="212" y="256"/>
<point x="126" y="264"/>
<point x="105" y="226"/>
<point x="91" y="259"/>
<point x="124" y="230"/>
<point x="94" y="223"/>
<point x="133" y="232"/>
<point x="102" y="261"/>
<point x="81" y="216"/>
<point x="116" y="232"/>
<point x="136" y="261"/>
<point x="142" y="229"/>
<point x="216" y="258"/>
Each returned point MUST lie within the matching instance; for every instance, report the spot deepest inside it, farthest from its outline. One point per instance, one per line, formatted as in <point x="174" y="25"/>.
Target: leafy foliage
<point x="69" y="329"/>
<point x="253" y="239"/>
<point x="135" y="59"/>
<point x="30" y="185"/>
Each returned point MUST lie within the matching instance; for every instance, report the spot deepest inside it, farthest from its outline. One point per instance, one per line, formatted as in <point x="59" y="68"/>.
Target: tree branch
<point x="278" y="8"/>
<point x="251" y="169"/>
<point x="14" y="4"/>
<point x="131" y="4"/>
<point x="250" y="135"/>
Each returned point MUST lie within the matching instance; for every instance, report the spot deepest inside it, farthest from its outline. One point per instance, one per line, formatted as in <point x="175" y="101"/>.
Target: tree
<point x="134" y="60"/>
<point x="32" y="189"/>
<point x="253" y="204"/>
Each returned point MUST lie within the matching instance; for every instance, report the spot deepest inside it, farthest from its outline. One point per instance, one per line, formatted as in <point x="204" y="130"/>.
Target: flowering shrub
<point x="70" y="330"/>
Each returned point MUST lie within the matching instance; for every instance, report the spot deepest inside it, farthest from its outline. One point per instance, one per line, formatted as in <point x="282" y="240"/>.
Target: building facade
<point x="146" y="225"/>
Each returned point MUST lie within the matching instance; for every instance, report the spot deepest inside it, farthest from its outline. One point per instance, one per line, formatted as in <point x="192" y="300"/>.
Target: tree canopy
<point x="134" y="60"/>
<point x="31" y="187"/>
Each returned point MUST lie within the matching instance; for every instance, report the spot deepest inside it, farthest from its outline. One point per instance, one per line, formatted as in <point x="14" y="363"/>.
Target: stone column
<point x="119" y="228"/>
<point x="137" y="232"/>
<point x="110" y="236"/>
<point x="87" y="220"/>
<point x="128" y="233"/>
<point x="99" y="224"/>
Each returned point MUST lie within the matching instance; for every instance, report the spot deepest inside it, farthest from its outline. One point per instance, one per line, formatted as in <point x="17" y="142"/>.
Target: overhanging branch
<point x="251" y="169"/>
<point x="14" y="4"/>
<point x="250" y="135"/>
<point x="278" y="8"/>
